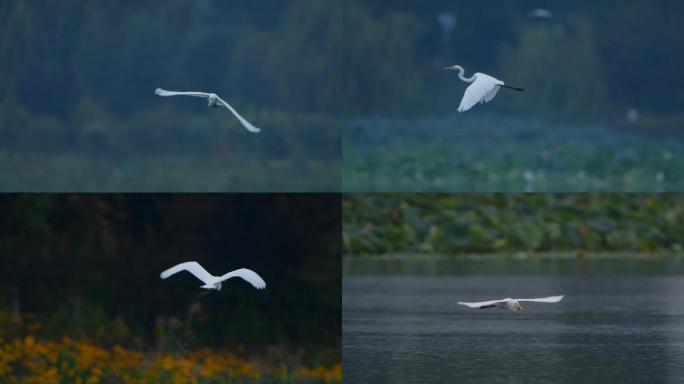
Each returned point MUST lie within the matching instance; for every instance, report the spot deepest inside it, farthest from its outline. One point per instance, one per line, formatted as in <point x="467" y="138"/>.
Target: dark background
<point x="90" y="265"/>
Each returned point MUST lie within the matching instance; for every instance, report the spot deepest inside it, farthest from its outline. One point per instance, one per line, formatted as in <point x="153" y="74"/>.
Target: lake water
<point x="608" y="329"/>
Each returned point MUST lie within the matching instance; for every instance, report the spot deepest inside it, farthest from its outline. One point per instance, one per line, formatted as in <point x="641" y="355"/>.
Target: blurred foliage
<point x="491" y="153"/>
<point x="375" y="224"/>
<point x="561" y="68"/>
<point x="328" y="57"/>
<point x="82" y="98"/>
<point x="378" y="61"/>
<point x="590" y="60"/>
<point x="643" y="54"/>
<point x="30" y="360"/>
<point x="601" y="111"/>
<point x="90" y="264"/>
<point x="163" y="173"/>
<point x="162" y="150"/>
<point x="78" y="105"/>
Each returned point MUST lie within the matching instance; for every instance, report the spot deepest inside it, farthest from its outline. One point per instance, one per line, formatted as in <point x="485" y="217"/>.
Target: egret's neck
<point x="461" y="71"/>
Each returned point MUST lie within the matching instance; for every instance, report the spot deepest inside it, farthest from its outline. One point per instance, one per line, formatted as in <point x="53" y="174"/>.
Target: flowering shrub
<point x="28" y="360"/>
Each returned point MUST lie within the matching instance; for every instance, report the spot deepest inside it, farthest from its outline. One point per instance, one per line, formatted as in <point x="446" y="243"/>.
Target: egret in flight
<point x="482" y="90"/>
<point x="214" y="282"/>
<point x="511" y="304"/>
<point x="214" y="101"/>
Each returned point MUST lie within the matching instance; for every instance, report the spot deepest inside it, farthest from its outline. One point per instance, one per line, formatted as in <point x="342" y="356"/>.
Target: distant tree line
<point x="82" y="74"/>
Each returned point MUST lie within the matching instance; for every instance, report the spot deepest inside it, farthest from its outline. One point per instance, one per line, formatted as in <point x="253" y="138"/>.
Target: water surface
<point x="608" y="329"/>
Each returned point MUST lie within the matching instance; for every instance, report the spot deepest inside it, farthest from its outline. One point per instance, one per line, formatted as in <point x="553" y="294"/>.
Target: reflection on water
<point x="608" y="329"/>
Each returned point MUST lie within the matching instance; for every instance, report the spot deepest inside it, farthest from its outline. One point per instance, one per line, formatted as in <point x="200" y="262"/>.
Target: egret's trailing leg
<point x="513" y="88"/>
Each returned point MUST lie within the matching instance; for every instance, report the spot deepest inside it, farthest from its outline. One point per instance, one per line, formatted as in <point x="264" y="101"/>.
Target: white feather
<point x="244" y="122"/>
<point x="247" y="275"/>
<point x="220" y="101"/>
<point x="192" y="267"/>
<point x="550" y="299"/>
<point x="510" y="304"/>
<point x="215" y="281"/>
<point x="164" y="93"/>
<point x="482" y="90"/>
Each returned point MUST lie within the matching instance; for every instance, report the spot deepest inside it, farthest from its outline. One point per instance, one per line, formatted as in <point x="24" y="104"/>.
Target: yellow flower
<point x="34" y="361"/>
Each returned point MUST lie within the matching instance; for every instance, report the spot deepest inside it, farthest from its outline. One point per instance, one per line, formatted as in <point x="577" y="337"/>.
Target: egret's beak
<point x="519" y="307"/>
<point x="450" y="68"/>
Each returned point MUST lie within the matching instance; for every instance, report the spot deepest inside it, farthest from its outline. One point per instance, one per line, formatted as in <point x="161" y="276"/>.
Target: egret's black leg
<point x="488" y="306"/>
<point x="513" y="88"/>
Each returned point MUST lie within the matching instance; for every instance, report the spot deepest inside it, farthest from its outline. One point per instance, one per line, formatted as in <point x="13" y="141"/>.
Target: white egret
<point x="214" y="101"/>
<point x="482" y="90"/>
<point x="511" y="304"/>
<point x="214" y="282"/>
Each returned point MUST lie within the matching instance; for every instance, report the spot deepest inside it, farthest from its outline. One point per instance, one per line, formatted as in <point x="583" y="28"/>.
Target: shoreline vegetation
<point x="519" y="263"/>
<point x="509" y="224"/>
<point x="564" y="255"/>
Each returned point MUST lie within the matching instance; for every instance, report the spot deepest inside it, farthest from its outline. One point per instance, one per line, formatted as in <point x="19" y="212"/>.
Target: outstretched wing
<point x="490" y="95"/>
<point x="481" y="304"/>
<point x="164" y="92"/>
<point x="244" y="122"/>
<point x="247" y="275"/>
<point x="550" y="299"/>
<point x="192" y="267"/>
<point x="482" y="90"/>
